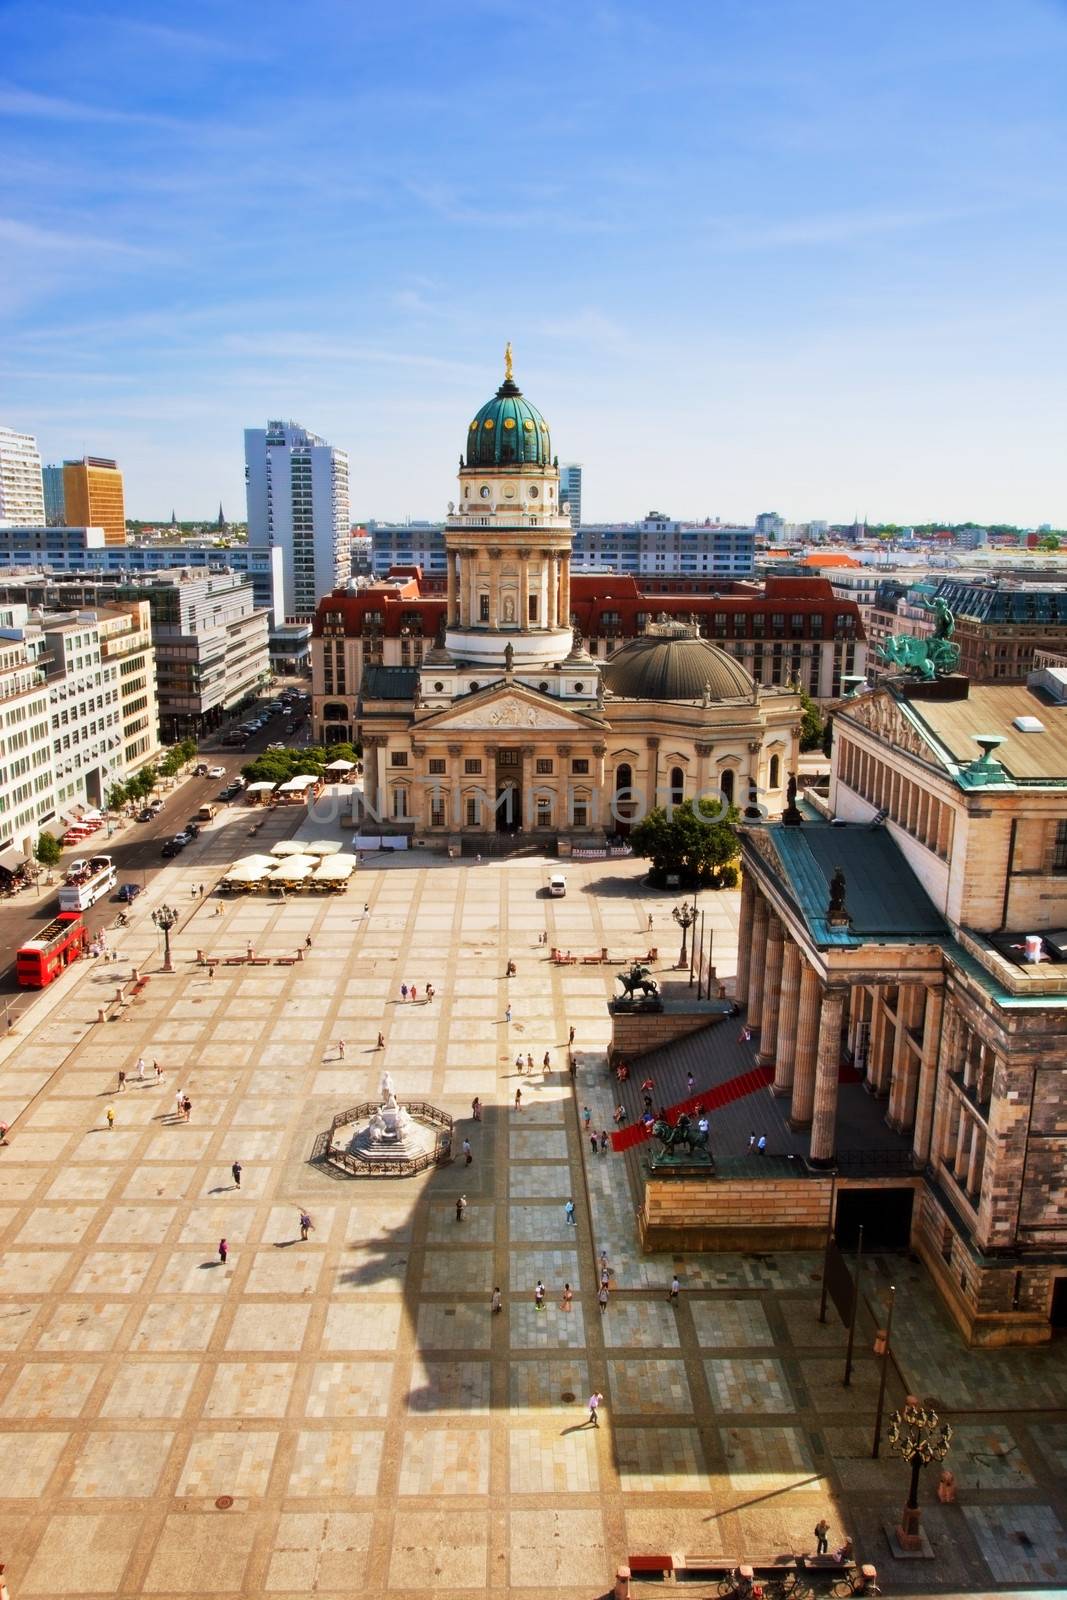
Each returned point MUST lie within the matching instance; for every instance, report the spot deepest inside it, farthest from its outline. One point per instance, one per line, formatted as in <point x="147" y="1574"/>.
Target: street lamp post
<point x="684" y="915"/>
<point x="165" y="918"/>
<point x="918" y="1436"/>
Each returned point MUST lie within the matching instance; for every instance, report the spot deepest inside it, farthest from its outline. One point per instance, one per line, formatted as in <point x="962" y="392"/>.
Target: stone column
<point x="924" y="1099"/>
<point x="600" y="797"/>
<point x="529" y="809"/>
<point x="524" y="590"/>
<point x="652" y="744"/>
<point x="772" y="994"/>
<point x="806" y="1051"/>
<point x="450" y="573"/>
<point x="757" y="960"/>
<point x="473" y="609"/>
<point x="877" y="1070"/>
<point x="552" y="620"/>
<point x="905" y="1066"/>
<point x="565" y="586"/>
<point x="788" y="1016"/>
<point x="494" y="588"/>
<point x="744" y="939"/>
<point x="824" y="1112"/>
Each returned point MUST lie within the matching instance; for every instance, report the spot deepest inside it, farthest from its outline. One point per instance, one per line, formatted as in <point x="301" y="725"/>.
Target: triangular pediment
<point x="507" y="706"/>
<point x="883" y="716"/>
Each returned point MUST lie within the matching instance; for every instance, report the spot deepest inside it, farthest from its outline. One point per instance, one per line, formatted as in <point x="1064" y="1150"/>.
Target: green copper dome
<point x="508" y="431"/>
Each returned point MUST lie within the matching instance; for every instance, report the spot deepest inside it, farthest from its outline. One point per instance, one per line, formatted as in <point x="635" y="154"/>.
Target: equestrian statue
<point x="685" y="1131"/>
<point x="929" y="658"/>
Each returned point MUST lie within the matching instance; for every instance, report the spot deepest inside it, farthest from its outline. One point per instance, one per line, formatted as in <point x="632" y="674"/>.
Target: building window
<point x="437" y="765"/>
<point x="776" y="772"/>
<point x="580" y="765"/>
<point x="398" y="758"/>
<point x="543" y="766"/>
<point x="580" y="814"/>
<point x="507" y="758"/>
<point x="437" y="812"/>
<point x="544" y="813"/>
<point x="472" y="813"/>
<point x="1059" y="848"/>
<point x="400" y="802"/>
<point x="532" y="608"/>
<point x="472" y="765"/>
<point x="483" y="608"/>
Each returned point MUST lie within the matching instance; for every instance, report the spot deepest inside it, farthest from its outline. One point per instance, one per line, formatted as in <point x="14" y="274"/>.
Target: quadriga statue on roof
<point x="929" y="658"/>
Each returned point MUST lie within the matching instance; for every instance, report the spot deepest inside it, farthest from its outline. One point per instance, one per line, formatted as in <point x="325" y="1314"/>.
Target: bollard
<point x="622" y="1583"/>
<point x="300" y="953"/>
<point x="135" y="975"/>
<point x="118" y="994"/>
<point x="100" y="1016"/>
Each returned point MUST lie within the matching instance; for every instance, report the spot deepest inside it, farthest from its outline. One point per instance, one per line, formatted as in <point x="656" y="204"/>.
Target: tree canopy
<point x="47" y="850"/>
<point x="700" y="846"/>
<point x="811" y="724"/>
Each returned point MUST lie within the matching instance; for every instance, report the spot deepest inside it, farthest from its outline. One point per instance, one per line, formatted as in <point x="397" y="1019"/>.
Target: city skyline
<point x="807" y="260"/>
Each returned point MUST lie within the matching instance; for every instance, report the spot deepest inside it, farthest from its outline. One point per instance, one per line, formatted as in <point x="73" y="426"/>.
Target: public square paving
<point x="376" y="1429"/>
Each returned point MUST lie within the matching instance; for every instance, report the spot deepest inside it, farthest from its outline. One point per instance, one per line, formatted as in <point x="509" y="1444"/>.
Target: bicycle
<point x="790" y="1586"/>
<point x="735" y="1587"/>
<point x="854" y="1583"/>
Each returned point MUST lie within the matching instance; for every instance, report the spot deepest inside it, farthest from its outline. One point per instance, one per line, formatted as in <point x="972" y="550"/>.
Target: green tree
<point x="700" y="846"/>
<point x="811" y="723"/>
<point x="117" y="796"/>
<point x="47" y="850"/>
<point x="1048" y="541"/>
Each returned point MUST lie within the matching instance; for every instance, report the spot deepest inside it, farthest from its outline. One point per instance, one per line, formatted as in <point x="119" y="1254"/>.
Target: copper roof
<point x="992" y="709"/>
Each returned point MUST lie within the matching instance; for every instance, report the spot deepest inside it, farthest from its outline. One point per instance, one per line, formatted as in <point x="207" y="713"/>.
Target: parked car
<point x="193" y="829"/>
<point x="129" y="892"/>
<point x="174" y="847"/>
<point x="155" y="807"/>
<point x="557" y="886"/>
<point x="200" y="771"/>
<point x="276" y="744"/>
<point x="216" y="772"/>
<point x="145" y="815"/>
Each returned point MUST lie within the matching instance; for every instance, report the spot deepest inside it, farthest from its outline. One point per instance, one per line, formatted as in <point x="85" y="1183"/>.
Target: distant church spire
<point x="221" y="521"/>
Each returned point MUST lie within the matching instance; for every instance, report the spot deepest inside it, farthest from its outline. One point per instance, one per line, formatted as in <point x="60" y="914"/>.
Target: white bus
<point x="98" y="878"/>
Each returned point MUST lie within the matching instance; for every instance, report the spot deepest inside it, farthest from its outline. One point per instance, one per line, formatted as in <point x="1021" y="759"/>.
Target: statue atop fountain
<point x="388" y="1125"/>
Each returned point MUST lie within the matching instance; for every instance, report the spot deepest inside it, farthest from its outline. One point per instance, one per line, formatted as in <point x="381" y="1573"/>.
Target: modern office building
<point x="658" y="547"/>
<point x="21" y="483"/>
<point x="298" y="500"/>
<point x="210" y="640"/>
<point x="55" y="500"/>
<point x="93" y="497"/>
<point x="126" y="643"/>
<point x="60" y="548"/>
<point x="26" y="793"/>
<point x="406" y="544"/>
<point x="570" y="490"/>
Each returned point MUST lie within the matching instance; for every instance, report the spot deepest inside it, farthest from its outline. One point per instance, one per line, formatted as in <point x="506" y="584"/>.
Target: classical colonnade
<point x="805" y="1020"/>
<point x="466" y="576"/>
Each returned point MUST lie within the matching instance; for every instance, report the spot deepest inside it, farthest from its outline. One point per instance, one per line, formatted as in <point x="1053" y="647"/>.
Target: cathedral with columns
<point x="507" y="724"/>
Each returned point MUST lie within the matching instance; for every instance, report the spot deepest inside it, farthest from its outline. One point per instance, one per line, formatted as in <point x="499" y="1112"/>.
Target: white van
<point x="557" y="886"/>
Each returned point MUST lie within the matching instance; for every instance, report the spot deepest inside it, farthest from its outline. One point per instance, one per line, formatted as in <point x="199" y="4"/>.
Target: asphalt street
<point x="136" y="848"/>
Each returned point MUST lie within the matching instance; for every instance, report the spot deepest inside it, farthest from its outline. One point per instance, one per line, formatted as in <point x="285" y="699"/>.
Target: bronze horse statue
<point x="638" y="978"/>
<point x="685" y="1131"/>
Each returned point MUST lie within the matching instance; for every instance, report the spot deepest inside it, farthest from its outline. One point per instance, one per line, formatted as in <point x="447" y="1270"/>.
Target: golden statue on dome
<point x="509" y="376"/>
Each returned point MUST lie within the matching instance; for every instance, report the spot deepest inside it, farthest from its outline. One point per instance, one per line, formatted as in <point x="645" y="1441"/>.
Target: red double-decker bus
<point x="40" y="960"/>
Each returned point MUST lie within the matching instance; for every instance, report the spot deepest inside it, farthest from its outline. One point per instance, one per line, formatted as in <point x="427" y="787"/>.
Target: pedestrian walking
<point x="140" y="1069"/>
<point x="568" y="1212"/>
<point x="495" y="1302"/>
<point x="570" y="1036"/>
<point x="546" y="1062"/>
<point x="381" y="1040"/>
<point x="672" y="1292"/>
<point x="539" y="1296"/>
<point x="179" y="1101"/>
<point x="761" y="1144"/>
<point x="476" y="1109"/>
<point x="822" y="1536"/>
<point x="587" y="1116"/>
<point x="744" y="1036"/>
<point x="414" y="994"/>
<point x="429" y="992"/>
<point x="249" y="951"/>
<point x="605" y="1278"/>
<point x="592" y="1141"/>
<point x="158" y="1070"/>
<point x="467" y="1155"/>
<point x="187" y="1106"/>
<point x="603" y="1141"/>
<point x="224" y="1251"/>
<point x="751" y="1143"/>
<point x="341" y="1048"/>
<point x="110" y="1114"/>
<point x="519" y="1062"/>
<point x="619" y="1115"/>
<point x="529" y="1062"/>
<point x="403" y="991"/>
<point x="306" y="1224"/>
<point x="594" y="1407"/>
<point x="507" y="1012"/>
<point x="122" y="1081"/>
<point x="307" y="942"/>
<point x="518" y="1099"/>
<point x="568" y="1296"/>
<point x="602" y="1297"/>
<point x="461" y="1206"/>
<point x="690" y="1082"/>
<point x="237" y="1169"/>
<point x="201" y="891"/>
<point x="649" y="929"/>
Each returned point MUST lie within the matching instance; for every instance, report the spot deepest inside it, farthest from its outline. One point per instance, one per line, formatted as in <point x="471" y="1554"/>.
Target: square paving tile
<point x="729" y="1324"/>
<point x="169" y="1325"/>
<point x="453" y="1327"/>
<point x="150" y="1389"/>
<point x="649" y="1388"/>
<point x="266" y="1326"/>
<point x="451" y="1460"/>
<point x="448" y="1386"/>
<point x="652" y="1460"/>
<point x="445" y="1550"/>
<point x="545" y="1461"/>
<point x="757" y="1386"/>
<point x="250" y="1389"/>
<point x="362" y="1325"/>
<point x="349" y="1389"/>
<point x="321" y="1552"/>
<point x="551" y="1385"/>
<point x="539" y="1181"/>
<point x="547" y="1329"/>
<point x="228" y="1463"/>
<point x="646" y="1325"/>
<point x="51" y="1389"/>
<point x="555" y="1549"/>
<point x="119" y="1466"/>
<point x="769" y="1460"/>
<point x="29" y="1461"/>
<point x="336" y="1462"/>
<point x="82" y="1554"/>
<point x="111" y="1272"/>
<point x="84" y="1325"/>
<point x="194" y="1543"/>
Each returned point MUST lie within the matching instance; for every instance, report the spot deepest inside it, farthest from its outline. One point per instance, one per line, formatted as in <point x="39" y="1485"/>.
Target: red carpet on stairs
<point x="733" y="1089"/>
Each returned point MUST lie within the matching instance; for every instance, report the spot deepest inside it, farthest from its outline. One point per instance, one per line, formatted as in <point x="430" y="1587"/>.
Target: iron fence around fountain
<point x="390" y="1166"/>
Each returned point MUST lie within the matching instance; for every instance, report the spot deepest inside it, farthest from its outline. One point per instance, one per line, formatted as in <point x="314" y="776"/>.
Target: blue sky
<point x="752" y="254"/>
